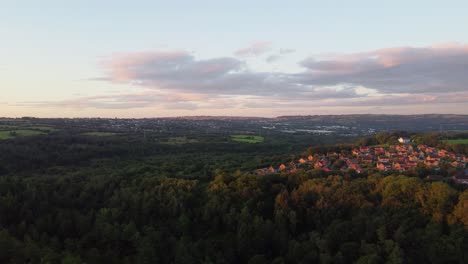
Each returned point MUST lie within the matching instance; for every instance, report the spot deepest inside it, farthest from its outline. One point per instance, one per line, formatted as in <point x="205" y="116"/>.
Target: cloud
<point x="280" y="55"/>
<point x="128" y="101"/>
<point x="181" y="72"/>
<point x="273" y="58"/>
<point x="163" y="67"/>
<point x="433" y="76"/>
<point x="387" y="71"/>
<point x="394" y="70"/>
<point x="286" y="51"/>
<point x="433" y="102"/>
<point x="255" y="49"/>
<point x="181" y="106"/>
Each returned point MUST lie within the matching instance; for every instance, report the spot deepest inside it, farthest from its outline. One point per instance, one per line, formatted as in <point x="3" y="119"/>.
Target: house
<point x="433" y="157"/>
<point x="410" y="149"/>
<point x="320" y="164"/>
<point x="383" y="159"/>
<point x="402" y="158"/>
<point x="352" y="164"/>
<point x="384" y="166"/>
<point x="431" y="163"/>
<point x="364" y="149"/>
<point x="442" y="152"/>
<point x="282" y="167"/>
<point x="451" y="155"/>
<point x="404" y="140"/>
<point x="460" y="158"/>
<point x="399" y="166"/>
<point x="394" y="157"/>
<point x="422" y="147"/>
<point x="379" y="151"/>
<point x="456" y="164"/>
<point x="413" y="158"/>
<point x="431" y="150"/>
<point x="400" y="148"/>
<point x="367" y="159"/>
<point x="271" y="169"/>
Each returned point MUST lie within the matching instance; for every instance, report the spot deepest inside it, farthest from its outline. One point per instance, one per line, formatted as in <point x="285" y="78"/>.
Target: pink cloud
<point x="122" y="67"/>
<point x="394" y="70"/>
<point x="401" y="76"/>
<point x="255" y="49"/>
<point x="382" y="58"/>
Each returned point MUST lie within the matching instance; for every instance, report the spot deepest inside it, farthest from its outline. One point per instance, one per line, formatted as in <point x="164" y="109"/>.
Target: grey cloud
<point x="272" y="58"/>
<point x="286" y="51"/>
<point x="281" y="54"/>
<point x="432" y="100"/>
<point x="399" y="70"/>
<point x="397" y="76"/>
<point x="181" y="72"/>
<point x="124" y="101"/>
<point x="181" y="106"/>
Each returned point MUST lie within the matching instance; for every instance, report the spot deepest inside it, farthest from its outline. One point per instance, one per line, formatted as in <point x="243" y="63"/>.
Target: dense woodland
<point x="66" y="198"/>
<point x="137" y="217"/>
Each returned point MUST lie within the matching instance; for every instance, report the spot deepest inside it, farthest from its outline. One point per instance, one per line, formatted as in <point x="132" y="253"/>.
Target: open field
<point x="18" y="133"/>
<point x="179" y="140"/>
<point x="5" y="135"/>
<point x="457" y="141"/>
<point x="100" y="134"/>
<point x="43" y="128"/>
<point x="23" y="127"/>
<point x="247" y="138"/>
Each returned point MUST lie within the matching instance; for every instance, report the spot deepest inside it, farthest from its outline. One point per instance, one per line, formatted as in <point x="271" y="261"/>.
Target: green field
<point x="457" y="141"/>
<point x="43" y="128"/>
<point x="247" y="138"/>
<point x="100" y="134"/>
<point x="179" y="140"/>
<point x="18" y="133"/>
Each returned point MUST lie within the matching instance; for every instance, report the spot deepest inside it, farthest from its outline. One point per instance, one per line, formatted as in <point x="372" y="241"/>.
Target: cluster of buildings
<point x="401" y="158"/>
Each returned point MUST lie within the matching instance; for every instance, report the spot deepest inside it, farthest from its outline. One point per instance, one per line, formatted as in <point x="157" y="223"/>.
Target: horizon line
<point x="227" y="116"/>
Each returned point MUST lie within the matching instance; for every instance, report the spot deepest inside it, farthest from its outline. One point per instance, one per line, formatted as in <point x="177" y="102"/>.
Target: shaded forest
<point x="77" y="199"/>
<point x="231" y="219"/>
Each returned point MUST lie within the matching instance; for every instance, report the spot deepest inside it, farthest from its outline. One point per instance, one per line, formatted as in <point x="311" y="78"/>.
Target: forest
<point x="72" y="198"/>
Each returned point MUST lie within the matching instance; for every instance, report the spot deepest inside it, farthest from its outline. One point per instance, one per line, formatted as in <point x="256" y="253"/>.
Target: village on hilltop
<point x="399" y="158"/>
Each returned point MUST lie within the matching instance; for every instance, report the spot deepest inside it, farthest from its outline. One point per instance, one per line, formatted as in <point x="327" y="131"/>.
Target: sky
<point x="135" y="59"/>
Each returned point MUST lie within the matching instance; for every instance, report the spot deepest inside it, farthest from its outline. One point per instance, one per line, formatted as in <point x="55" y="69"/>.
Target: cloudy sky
<point x="88" y="58"/>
